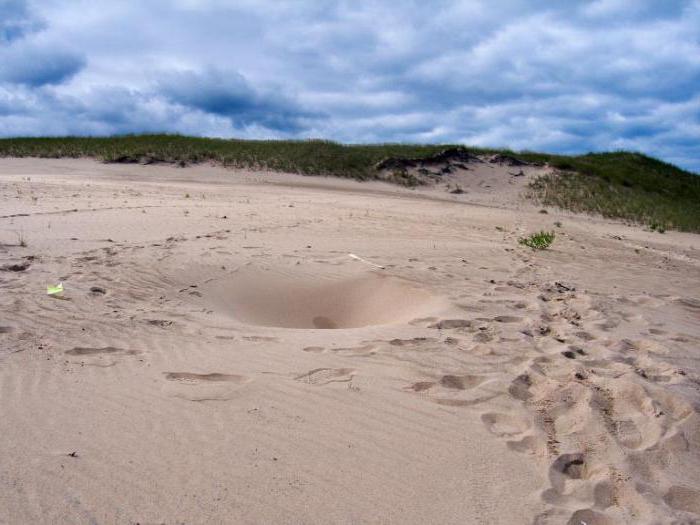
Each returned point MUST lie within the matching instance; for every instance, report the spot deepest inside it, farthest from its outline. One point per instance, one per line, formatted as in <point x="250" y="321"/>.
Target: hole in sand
<point x="302" y="300"/>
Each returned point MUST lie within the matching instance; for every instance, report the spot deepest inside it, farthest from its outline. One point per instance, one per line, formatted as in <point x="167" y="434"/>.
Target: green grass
<point x="308" y="157"/>
<point x="629" y="186"/>
<point x="538" y="241"/>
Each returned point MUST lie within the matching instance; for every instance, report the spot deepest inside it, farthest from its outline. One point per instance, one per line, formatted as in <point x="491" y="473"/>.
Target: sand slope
<point x="218" y="358"/>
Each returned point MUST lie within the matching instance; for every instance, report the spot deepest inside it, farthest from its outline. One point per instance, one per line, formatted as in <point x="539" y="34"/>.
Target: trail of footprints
<point x="572" y="412"/>
<point x="564" y="395"/>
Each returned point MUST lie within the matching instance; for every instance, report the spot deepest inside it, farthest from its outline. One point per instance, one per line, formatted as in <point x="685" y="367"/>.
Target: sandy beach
<point x="217" y="356"/>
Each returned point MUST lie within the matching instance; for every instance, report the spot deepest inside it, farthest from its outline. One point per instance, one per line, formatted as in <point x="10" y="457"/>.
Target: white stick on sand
<point x="352" y="255"/>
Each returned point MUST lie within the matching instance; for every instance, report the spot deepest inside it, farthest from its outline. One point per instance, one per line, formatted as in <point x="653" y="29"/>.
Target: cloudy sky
<point x="570" y="76"/>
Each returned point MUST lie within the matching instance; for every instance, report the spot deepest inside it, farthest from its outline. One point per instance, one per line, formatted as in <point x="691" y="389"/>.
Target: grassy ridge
<point x="626" y="186"/>
<point x="309" y="157"/>
<point x="629" y="186"/>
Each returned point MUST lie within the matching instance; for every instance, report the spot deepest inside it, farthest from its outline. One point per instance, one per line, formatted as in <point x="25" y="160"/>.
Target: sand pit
<point x="291" y="299"/>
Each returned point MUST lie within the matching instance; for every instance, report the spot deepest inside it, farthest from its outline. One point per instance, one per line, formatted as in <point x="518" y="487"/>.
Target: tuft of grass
<point x="21" y="239"/>
<point x="538" y="241"/>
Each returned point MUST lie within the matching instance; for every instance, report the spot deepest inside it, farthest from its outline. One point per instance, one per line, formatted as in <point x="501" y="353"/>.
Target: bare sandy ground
<point x="217" y="357"/>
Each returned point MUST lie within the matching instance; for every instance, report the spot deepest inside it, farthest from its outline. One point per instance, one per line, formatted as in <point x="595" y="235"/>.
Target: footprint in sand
<point x="507" y="319"/>
<point x="482" y="337"/>
<point x="356" y="351"/>
<point x="528" y="445"/>
<point x="260" y="338"/>
<point x="315" y="349"/>
<point x="589" y="517"/>
<point x="323" y="376"/>
<point x="453" y="390"/>
<point x="195" y="378"/>
<point x="565" y="467"/>
<point x="204" y="387"/>
<point x="411" y="342"/>
<point x="103" y="357"/>
<point x="422" y="321"/>
<point x="520" y="387"/>
<point x="82" y="351"/>
<point x="421" y="386"/>
<point x="505" y="425"/>
<point x="461" y="382"/>
<point x="449" y="382"/>
<point x="449" y="324"/>
<point x="684" y="499"/>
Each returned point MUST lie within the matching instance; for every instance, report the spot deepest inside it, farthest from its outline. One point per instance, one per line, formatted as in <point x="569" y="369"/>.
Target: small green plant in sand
<point x="538" y="241"/>
<point x="657" y="227"/>
<point x="21" y="239"/>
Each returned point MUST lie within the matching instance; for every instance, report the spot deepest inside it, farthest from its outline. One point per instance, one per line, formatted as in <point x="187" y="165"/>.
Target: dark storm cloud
<point x="37" y="66"/>
<point x="230" y="95"/>
<point x="16" y="20"/>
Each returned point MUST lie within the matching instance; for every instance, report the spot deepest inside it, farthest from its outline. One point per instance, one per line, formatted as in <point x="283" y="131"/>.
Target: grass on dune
<point x="308" y="157"/>
<point x="623" y="185"/>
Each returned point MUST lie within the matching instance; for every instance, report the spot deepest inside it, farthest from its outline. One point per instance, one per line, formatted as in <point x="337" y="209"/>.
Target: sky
<point x="563" y="77"/>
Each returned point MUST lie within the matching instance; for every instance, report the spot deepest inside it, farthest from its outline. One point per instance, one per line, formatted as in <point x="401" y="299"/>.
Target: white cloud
<point x="570" y="76"/>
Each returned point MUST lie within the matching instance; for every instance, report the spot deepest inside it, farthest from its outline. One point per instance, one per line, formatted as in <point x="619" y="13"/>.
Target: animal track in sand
<point x="323" y="376"/>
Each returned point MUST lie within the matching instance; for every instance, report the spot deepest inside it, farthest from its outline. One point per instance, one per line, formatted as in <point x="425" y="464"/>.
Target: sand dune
<point x="217" y="357"/>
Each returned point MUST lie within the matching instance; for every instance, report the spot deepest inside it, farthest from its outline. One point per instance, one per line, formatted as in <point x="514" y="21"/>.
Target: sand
<point x="217" y="357"/>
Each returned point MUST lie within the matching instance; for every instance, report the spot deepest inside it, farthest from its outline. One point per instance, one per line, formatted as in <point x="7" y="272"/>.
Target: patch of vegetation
<point x="627" y="186"/>
<point x="622" y="185"/>
<point x="538" y="241"/>
<point x="307" y="157"/>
